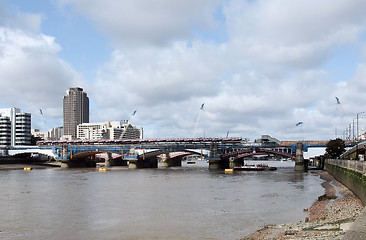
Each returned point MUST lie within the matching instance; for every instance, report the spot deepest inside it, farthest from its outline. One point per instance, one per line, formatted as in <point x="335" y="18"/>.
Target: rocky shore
<point x="330" y="216"/>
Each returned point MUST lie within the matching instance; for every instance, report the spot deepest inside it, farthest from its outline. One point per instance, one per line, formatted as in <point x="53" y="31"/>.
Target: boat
<point x="257" y="167"/>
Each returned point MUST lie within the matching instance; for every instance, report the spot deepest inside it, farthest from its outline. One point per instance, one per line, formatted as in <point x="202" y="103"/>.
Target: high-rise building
<point x="5" y="132"/>
<point x="76" y="111"/>
<point x="15" y="127"/>
<point x="22" y="129"/>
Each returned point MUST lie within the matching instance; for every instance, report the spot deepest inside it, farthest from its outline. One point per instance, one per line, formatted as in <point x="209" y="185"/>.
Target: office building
<point x="18" y="123"/>
<point x="52" y="134"/>
<point x="75" y="111"/>
<point x="5" y="132"/>
<point x="110" y="130"/>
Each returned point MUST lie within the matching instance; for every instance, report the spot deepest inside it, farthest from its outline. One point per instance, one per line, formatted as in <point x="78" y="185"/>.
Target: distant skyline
<point x="260" y="66"/>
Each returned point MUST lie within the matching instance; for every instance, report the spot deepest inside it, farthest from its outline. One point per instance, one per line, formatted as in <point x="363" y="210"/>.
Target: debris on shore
<point x="330" y="216"/>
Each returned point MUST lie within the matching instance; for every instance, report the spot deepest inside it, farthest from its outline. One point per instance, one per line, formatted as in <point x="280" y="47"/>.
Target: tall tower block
<point x="75" y="110"/>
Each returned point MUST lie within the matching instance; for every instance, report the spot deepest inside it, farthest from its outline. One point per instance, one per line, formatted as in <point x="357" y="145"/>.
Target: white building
<point x="52" y="134"/>
<point x="20" y="127"/>
<point x="109" y="130"/>
<point x="5" y="132"/>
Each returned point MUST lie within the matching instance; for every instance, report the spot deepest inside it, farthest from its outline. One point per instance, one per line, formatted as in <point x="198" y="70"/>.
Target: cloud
<point x="258" y="65"/>
<point x="26" y="21"/>
<point x="136" y="22"/>
<point x="31" y="74"/>
<point x="298" y="35"/>
<point x="267" y="76"/>
<point x="151" y="76"/>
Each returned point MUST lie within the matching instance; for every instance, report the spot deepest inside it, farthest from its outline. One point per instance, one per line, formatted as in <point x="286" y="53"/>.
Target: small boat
<point x="258" y="167"/>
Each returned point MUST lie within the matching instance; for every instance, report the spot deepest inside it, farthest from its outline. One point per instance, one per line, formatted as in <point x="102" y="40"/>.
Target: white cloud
<point x="281" y="32"/>
<point x="31" y="74"/>
<point x="136" y="22"/>
<point x="265" y="75"/>
<point x="265" y="78"/>
<point x="26" y="21"/>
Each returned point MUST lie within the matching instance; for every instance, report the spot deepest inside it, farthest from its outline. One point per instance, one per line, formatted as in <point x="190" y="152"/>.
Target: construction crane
<point x="197" y="120"/>
<point x="344" y="119"/>
<point x="42" y="118"/>
<point x="127" y="126"/>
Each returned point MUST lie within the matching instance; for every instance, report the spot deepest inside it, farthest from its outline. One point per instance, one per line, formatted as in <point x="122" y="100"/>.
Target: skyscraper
<point x="76" y="110"/>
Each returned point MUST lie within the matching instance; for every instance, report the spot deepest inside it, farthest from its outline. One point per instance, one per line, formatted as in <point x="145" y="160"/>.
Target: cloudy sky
<point x="260" y="66"/>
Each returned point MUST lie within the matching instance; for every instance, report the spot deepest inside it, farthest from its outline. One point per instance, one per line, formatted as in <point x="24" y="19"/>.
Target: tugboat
<point x="257" y="167"/>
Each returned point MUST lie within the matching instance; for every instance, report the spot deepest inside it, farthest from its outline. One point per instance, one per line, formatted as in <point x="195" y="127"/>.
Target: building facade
<point x="22" y="129"/>
<point x="75" y="111"/>
<point x="5" y="132"/>
<point x="110" y="130"/>
<point x="15" y="127"/>
<point x="52" y="134"/>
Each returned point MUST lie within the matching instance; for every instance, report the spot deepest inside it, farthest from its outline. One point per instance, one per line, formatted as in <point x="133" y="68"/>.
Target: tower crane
<point x="344" y="119"/>
<point x="197" y="120"/>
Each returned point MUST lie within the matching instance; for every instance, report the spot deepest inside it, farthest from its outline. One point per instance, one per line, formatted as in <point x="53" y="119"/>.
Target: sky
<point x="259" y="66"/>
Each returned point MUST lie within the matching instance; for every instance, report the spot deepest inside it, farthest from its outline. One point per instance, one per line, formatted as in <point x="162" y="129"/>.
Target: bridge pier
<point x="217" y="163"/>
<point x="110" y="162"/>
<point x="79" y="163"/>
<point x="167" y="161"/>
<point x="107" y="162"/>
<point x="235" y="162"/>
<point x="300" y="163"/>
<point x="143" y="163"/>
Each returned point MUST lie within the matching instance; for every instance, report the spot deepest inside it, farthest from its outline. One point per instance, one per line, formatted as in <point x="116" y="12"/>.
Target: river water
<point x="189" y="202"/>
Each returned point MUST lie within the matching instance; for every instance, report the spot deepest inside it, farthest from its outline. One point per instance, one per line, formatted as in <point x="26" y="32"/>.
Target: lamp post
<point x="357" y="139"/>
<point x="357" y="122"/>
<point x="353" y="129"/>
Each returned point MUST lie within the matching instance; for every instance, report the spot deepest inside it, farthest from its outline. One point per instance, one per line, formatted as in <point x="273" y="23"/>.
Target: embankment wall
<point x="350" y="173"/>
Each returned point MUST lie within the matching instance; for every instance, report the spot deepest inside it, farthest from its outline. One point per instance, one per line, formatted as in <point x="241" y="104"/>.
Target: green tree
<point x="35" y="139"/>
<point x="335" y="148"/>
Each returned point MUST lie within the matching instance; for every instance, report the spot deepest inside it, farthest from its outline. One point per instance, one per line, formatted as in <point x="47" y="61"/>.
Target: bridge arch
<point x="27" y="151"/>
<point x="244" y="153"/>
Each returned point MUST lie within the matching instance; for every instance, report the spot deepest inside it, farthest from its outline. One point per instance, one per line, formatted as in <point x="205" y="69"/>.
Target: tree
<point x="335" y="148"/>
<point x="35" y="139"/>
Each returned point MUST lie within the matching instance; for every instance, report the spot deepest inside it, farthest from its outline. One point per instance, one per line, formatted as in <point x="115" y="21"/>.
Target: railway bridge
<point x="144" y="153"/>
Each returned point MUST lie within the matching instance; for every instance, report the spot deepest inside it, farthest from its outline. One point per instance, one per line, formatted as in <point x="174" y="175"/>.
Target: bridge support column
<point x="143" y="163"/>
<point x="300" y="164"/>
<point x="216" y="163"/>
<point x="108" y="159"/>
<point x="79" y="163"/>
<point x="235" y="162"/>
<point x="171" y="162"/>
<point x="110" y="162"/>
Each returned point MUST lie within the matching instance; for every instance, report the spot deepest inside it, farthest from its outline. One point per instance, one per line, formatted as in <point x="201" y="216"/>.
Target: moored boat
<point x="258" y="167"/>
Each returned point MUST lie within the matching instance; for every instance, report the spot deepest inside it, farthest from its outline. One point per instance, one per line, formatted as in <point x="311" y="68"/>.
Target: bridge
<point x="355" y="151"/>
<point x="144" y="153"/>
<point x="22" y="151"/>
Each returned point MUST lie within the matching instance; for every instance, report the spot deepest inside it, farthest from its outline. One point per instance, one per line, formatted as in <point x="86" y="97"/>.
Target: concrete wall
<point x="350" y="173"/>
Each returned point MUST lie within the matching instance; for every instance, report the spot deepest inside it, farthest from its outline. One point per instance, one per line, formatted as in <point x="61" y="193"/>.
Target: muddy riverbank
<point x="330" y="216"/>
<point x="30" y="165"/>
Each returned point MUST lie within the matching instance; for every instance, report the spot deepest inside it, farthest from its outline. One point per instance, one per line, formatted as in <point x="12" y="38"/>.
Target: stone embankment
<point x="330" y="217"/>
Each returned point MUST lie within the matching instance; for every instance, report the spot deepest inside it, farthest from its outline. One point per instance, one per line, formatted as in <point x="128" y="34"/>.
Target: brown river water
<point x="189" y="202"/>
